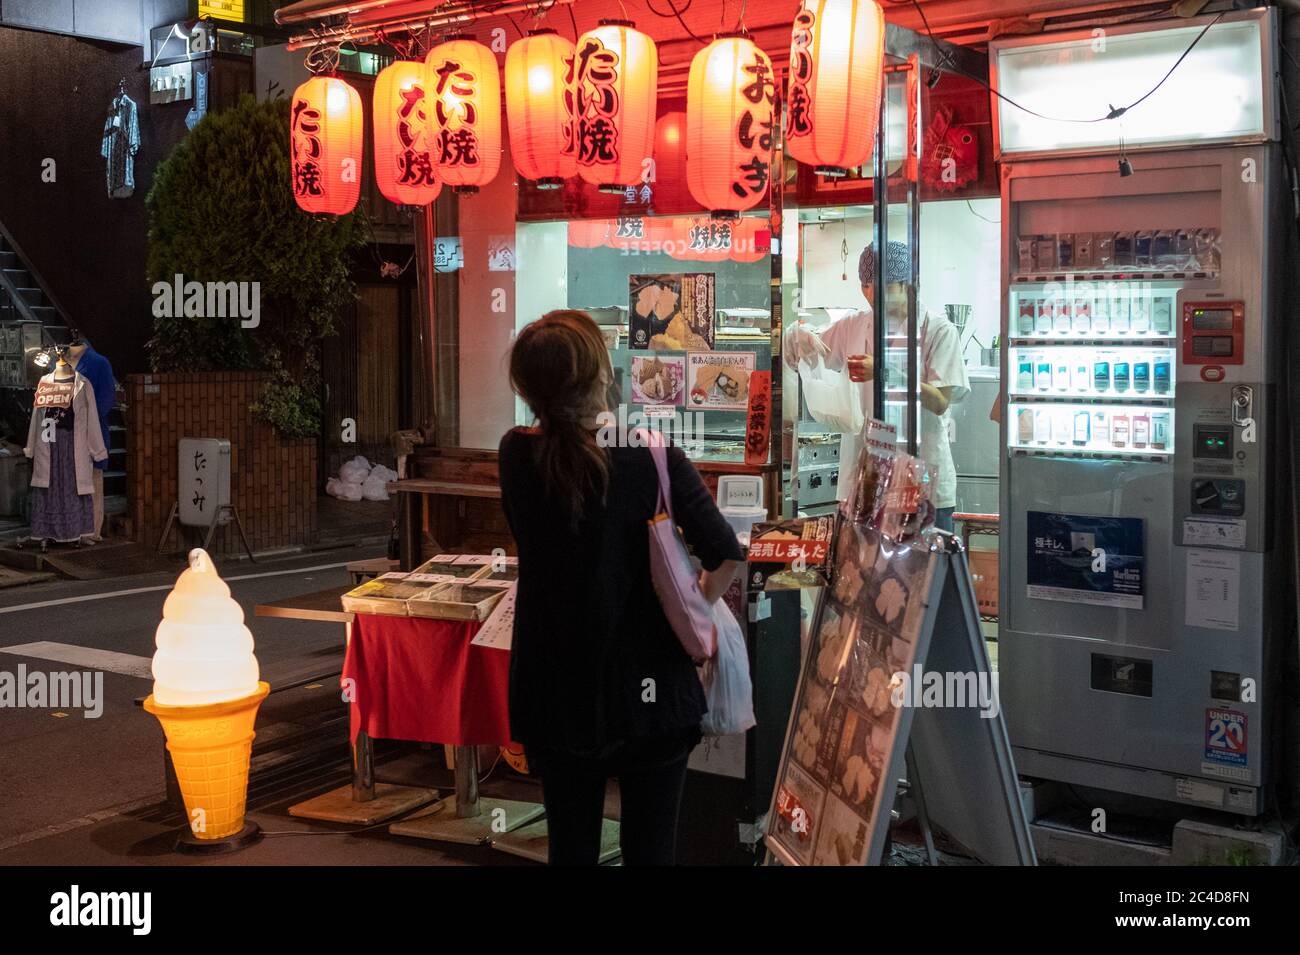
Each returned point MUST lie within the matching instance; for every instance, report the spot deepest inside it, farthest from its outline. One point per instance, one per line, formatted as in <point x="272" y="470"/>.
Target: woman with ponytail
<point x="600" y="687"/>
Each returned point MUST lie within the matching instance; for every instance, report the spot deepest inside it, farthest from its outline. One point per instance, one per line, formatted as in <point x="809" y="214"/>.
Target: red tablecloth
<point x="420" y="679"/>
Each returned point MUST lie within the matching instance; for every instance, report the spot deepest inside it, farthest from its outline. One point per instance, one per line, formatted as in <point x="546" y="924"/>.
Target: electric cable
<point x="978" y="216"/>
<point x="678" y="14"/>
<point x="1115" y="112"/>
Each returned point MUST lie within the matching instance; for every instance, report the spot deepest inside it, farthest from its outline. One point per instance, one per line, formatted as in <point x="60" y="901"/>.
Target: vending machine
<point x="1138" y="585"/>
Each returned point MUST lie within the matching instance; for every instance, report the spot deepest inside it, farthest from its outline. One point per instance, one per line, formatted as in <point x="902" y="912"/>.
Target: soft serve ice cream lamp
<point x="206" y="693"/>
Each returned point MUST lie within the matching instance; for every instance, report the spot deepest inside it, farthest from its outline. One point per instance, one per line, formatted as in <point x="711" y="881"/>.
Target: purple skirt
<point x="58" y="512"/>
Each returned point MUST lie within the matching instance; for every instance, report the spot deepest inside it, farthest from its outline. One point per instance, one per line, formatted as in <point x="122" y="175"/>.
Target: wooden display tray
<point x="444" y="591"/>
<point x="386" y="594"/>
<point x="467" y="601"/>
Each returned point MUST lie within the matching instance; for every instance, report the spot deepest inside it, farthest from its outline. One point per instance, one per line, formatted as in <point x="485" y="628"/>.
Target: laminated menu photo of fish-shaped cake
<point x="719" y="380"/>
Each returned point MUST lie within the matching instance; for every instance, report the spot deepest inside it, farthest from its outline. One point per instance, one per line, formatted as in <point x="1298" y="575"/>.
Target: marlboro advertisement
<point x="671" y="311"/>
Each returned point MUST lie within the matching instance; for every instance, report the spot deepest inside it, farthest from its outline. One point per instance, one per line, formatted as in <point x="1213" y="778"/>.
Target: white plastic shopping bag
<point x="832" y="398"/>
<point x="727" y="685"/>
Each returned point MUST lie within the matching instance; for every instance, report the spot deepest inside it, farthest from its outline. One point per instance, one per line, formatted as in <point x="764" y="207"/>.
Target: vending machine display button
<point x="1212" y="441"/>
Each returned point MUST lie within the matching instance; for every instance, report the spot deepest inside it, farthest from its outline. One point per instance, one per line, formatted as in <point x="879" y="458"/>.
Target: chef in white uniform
<point x="847" y="342"/>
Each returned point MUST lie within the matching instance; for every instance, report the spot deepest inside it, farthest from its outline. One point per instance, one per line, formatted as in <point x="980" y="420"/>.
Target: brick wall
<point x="272" y="480"/>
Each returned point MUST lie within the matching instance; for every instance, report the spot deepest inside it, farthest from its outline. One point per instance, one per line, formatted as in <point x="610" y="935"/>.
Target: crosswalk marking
<point x="84" y="598"/>
<point x="85" y="658"/>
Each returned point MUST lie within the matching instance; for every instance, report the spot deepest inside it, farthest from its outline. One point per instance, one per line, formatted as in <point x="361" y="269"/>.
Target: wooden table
<point x="363" y="802"/>
<point x="323" y="605"/>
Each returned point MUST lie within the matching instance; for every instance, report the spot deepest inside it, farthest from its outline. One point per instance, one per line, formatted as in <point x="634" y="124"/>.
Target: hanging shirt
<point x="120" y="144"/>
<point x="941" y="366"/>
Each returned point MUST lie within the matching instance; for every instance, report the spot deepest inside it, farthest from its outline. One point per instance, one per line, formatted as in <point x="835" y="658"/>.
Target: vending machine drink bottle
<point x="1154" y="671"/>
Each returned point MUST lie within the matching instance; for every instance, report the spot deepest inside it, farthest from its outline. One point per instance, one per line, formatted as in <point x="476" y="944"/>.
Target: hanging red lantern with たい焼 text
<point x="403" y="136"/>
<point x="730" y="103"/>
<point x="614" y="96"/>
<point x="325" y="145"/>
<point x="836" y="74"/>
<point x="464" y="89"/>
<point x="538" y="81"/>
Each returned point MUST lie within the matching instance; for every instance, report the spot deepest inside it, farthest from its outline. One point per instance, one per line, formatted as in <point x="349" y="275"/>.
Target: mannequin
<point x="63" y="442"/>
<point x="96" y="369"/>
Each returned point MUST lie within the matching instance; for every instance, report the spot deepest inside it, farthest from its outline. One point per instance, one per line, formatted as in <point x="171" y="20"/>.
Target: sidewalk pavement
<point x="146" y="834"/>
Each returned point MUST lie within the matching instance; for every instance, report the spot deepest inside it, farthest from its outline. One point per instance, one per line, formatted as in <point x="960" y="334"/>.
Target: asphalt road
<point x="58" y="764"/>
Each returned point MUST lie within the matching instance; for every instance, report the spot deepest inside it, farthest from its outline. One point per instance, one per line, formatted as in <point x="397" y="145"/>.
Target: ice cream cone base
<point x="210" y="747"/>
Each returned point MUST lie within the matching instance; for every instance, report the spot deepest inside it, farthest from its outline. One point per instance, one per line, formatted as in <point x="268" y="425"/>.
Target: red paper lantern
<point x="538" y="75"/>
<point x="325" y="145"/>
<point x="702" y="239"/>
<point x="465" y="90"/>
<point x="837" y="54"/>
<point x="616" y="79"/>
<point x="670" y="162"/>
<point x="729" y="115"/>
<point x="640" y="235"/>
<point x="404" y="169"/>
<point x="590" y="233"/>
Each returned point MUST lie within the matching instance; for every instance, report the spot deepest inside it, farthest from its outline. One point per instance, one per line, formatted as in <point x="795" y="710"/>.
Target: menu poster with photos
<point x="658" y="379"/>
<point x="719" y="380"/>
<point x="836" y="779"/>
<point x="671" y="311"/>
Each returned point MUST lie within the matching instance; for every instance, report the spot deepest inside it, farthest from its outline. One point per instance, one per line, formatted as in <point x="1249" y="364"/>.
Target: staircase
<point x="23" y="302"/>
<point x="21" y="298"/>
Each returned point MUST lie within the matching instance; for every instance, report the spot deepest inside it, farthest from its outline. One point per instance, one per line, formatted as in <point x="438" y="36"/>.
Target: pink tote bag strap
<point x="655" y="441"/>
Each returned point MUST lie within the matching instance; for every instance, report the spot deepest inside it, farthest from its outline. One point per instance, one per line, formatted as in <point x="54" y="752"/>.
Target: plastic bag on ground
<point x="343" y="490"/>
<point x="355" y="471"/>
<point x="728" y="688"/>
<point x="374" y="488"/>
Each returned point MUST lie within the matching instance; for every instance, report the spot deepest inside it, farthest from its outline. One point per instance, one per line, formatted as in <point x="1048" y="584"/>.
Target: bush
<point x="221" y="209"/>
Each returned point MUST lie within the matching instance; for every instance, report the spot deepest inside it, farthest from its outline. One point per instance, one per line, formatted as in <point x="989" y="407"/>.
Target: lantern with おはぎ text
<point x="615" y="88"/>
<point x="464" y="90"/>
<point x="837" y="50"/>
<point x="404" y="169"/>
<point x="538" y="74"/>
<point x="730" y="99"/>
<point x="325" y="145"/>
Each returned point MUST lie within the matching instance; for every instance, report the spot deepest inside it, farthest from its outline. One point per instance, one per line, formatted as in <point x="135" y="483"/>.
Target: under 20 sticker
<point x="1225" y="737"/>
